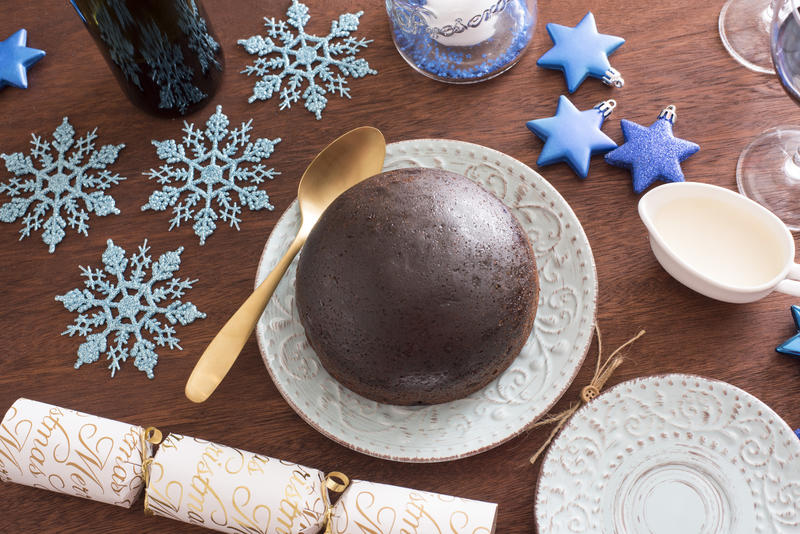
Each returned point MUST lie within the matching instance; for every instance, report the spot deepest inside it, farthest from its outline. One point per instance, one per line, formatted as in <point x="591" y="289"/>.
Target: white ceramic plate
<point x="672" y="454"/>
<point x="508" y="405"/>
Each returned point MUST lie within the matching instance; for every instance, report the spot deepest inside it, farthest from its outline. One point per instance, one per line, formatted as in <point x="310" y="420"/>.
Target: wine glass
<point x="744" y="27"/>
<point x="768" y="170"/>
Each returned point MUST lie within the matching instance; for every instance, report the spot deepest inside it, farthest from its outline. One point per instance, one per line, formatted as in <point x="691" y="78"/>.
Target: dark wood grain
<point x="673" y="55"/>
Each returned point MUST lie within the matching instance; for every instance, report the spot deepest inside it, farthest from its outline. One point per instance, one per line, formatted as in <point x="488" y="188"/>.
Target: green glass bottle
<point x="163" y="52"/>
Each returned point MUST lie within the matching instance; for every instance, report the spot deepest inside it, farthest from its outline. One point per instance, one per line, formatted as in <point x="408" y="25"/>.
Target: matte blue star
<point x="652" y="153"/>
<point x="580" y="51"/>
<point x="15" y="58"/>
<point x="572" y="135"/>
<point x="792" y="345"/>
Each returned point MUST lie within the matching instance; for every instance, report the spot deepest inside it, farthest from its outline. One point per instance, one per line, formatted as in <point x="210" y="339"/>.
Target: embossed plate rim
<point x="578" y="421"/>
<point x="522" y="175"/>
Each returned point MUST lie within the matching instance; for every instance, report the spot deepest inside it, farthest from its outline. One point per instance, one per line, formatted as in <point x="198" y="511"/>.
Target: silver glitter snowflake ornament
<point x="303" y="57"/>
<point x="210" y="175"/>
<point x="53" y="191"/>
<point x="128" y="304"/>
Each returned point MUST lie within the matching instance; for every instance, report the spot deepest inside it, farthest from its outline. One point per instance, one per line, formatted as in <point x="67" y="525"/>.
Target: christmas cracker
<point x="62" y="450"/>
<point x="212" y="485"/>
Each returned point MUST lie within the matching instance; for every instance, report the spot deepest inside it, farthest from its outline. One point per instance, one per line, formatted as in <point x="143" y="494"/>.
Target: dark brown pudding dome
<point x="417" y="286"/>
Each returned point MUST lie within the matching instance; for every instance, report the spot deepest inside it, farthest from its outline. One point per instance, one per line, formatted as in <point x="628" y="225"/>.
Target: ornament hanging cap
<point x="613" y="78"/>
<point x="670" y="113"/>
<point x="606" y="107"/>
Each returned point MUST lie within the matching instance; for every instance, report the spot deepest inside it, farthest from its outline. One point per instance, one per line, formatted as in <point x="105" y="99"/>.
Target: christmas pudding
<point x="417" y="286"/>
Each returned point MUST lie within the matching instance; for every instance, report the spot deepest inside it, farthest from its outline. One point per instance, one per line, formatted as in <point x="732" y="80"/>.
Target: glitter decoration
<point x="461" y="42"/>
<point x="580" y="52"/>
<point x="129" y="305"/>
<point x="65" y="187"/>
<point x="792" y="345"/>
<point x="16" y="58"/>
<point x="303" y="57"/>
<point x="572" y="135"/>
<point x="209" y="175"/>
<point x="652" y="153"/>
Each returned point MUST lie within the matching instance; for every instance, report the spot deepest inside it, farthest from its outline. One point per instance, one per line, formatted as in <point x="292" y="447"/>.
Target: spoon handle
<point x="223" y="350"/>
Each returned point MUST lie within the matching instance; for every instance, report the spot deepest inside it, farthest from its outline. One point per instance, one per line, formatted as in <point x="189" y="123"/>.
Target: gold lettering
<point x="414" y="512"/>
<point x="12" y="442"/>
<point x="129" y="446"/>
<point x="54" y="420"/>
<point x="38" y="457"/>
<point x="163" y="504"/>
<point x="56" y="483"/>
<point x="374" y="527"/>
<point x="171" y="442"/>
<point x="248" y="524"/>
<point x="288" y="509"/>
<point x="79" y="485"/>
<point x="462" y="518"/>
<point x="201" y="486"/>
<point x="232" y="466"/>
<point x="42" y="441"/>
<point x="89" y="458"/>
<point x="256" y="463"/>
<point x="194" y="517"/>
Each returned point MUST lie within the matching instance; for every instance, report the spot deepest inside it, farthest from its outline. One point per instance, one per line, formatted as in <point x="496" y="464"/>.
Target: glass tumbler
<point x="461" y="41"/>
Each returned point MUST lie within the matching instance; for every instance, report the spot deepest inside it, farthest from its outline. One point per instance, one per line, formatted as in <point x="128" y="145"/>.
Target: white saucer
<point x="508" y="405"/>
<point x="672" y="454"/>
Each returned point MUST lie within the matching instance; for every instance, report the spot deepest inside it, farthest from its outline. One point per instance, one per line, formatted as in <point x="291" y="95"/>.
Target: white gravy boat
<point x="719" y="243"/>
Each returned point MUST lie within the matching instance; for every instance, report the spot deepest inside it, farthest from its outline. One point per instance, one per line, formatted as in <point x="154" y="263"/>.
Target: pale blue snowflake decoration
<point x="59" y="190"/>
<point x="301" y="57"/>
<point x="128" y="306"/>
<point x="211" y="175"/>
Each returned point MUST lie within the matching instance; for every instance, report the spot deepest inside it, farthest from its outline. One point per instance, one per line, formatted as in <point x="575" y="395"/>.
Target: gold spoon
<point x="348" y="160"/>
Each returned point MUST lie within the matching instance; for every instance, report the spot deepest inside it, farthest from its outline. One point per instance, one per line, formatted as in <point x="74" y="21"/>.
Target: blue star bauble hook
<point x="15" y="58"/>
<point x="652" y="153"/>
<point x="792" y="345"/>
<point x="581" y="52"/>
<point x="572" y="135"/>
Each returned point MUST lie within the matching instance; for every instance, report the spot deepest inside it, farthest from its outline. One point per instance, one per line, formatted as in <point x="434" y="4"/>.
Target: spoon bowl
<point x="350" y="159"/>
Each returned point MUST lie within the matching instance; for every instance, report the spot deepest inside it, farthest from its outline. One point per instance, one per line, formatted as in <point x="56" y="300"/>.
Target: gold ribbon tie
<point x="151" y="435"/>
<point x="335" y="482"/>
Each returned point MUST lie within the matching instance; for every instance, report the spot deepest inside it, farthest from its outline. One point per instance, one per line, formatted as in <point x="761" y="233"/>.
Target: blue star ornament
<point x="652" y="153"/>
<point x="15" y="58"/>
<point x="581" y="52"/>
<point x="572" y="135"/>
<point x="792" y="345"/>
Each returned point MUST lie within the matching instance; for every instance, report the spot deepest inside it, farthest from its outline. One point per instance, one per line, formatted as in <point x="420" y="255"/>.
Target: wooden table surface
<point x="673" y="55"/>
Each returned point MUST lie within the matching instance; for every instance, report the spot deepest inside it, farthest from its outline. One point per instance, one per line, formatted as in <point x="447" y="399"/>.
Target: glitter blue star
<point x="15" y="58"/>
<point x="572" y="135"/>
<point x="792" y="345"/>
<point x="580" y="51"/>
<point x="652" y="153"/>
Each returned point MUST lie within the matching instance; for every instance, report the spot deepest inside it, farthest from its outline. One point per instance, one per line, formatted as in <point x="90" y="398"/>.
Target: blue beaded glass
<point x="460" y="41"/>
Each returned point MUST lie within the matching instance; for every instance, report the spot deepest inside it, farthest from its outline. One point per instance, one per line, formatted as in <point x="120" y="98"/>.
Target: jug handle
<point x="789" y="287"/>
<point x="794" y="272"/>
